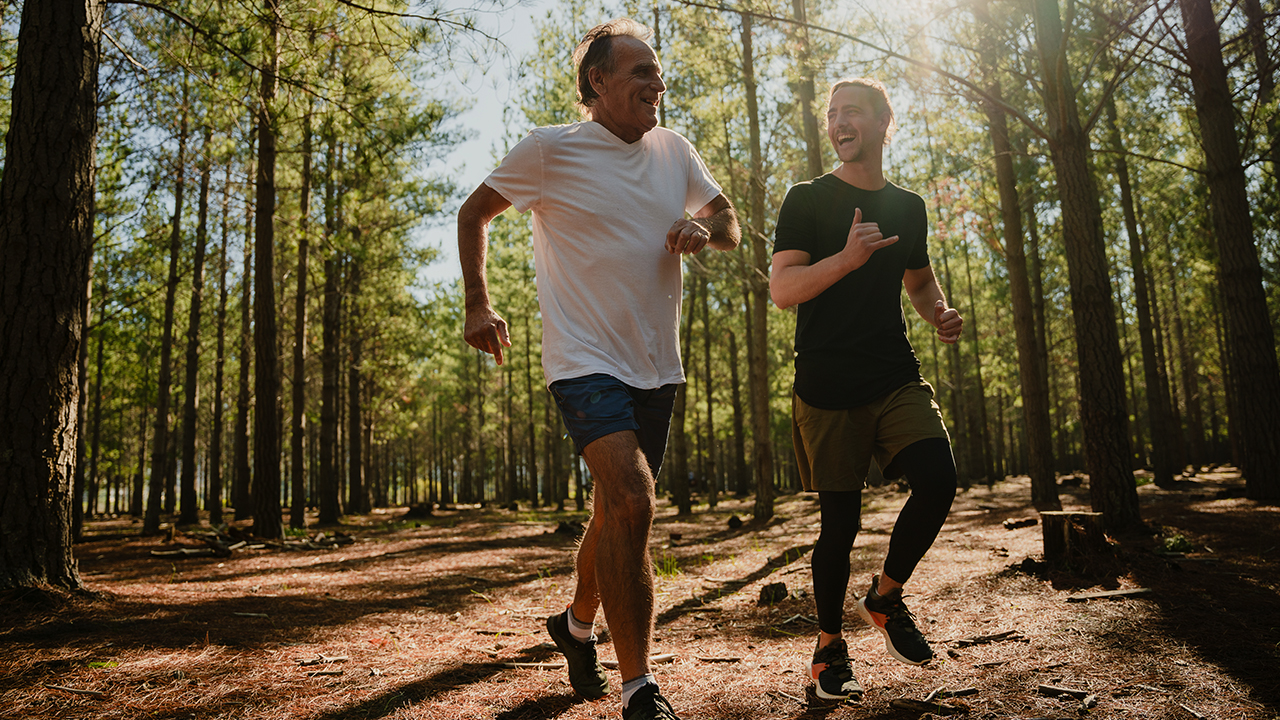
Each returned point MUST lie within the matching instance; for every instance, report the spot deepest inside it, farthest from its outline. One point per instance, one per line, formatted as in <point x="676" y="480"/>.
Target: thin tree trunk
<point x="1190" y="386"/>
<point x="358" y="500"/>
<point x="46" y="245"/>
<point x="219" y="361"/>
<point x="298" y="429"/>
<point x="160" y="453"/>
<point x="741" y="487"/>
<point x="1035" y="392"/>
<point x="1251" y="338"/>
<point x="266" y="377"/>
<point x="82" y="410"/>
<point x="757" y="354"/>
<point x="190" y="514"/>
<point x="97" y="431"/>
<point x="981" y="440"/>
<point x="806" y="94"/>
<point x="712" y="478"/>
<point x="242" y="475"/>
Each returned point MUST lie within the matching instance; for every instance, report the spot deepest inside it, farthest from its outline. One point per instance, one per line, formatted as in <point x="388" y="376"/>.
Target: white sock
<point x="630" y="687"/>
<point x="578" y="630"/>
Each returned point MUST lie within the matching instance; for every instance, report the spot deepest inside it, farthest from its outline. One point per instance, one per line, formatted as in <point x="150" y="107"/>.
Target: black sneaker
<point x="832" y="676"/>
<point x="648" y="704"/>
<point x="888" y="614"/>
<point x="585" y="672"/>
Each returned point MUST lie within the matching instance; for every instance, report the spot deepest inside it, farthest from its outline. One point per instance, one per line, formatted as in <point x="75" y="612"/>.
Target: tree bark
<point x="678" y="476"/>
<point x="1035" y="390"/>
<point x="219" y="361"/>
<point x="46" y="242"/>
<point x="358" y="500"/>
<point x="298" y="429"/>
<point x="757" y="352"/>
<point x="1250" y="335"/>
<point x="806" y="93"/>
<point x="190" y="508"/>
<point x="711" y="477"/>
<point x="160" y="451"/>
<point x="739" y="426"/>
<point x="265" y="488"/>
<point x="1102" y="404"/>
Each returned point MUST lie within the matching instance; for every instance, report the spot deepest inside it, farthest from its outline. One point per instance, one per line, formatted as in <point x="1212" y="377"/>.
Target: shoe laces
<point x="837" y="661"/>
<point x="896" y="611"/>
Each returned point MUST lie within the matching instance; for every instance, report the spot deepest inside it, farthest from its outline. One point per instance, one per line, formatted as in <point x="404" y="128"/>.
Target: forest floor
<point x="420" y="615"/>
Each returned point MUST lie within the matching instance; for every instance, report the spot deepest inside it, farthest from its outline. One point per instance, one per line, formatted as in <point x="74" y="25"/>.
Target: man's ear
<point x="595" y="76"/>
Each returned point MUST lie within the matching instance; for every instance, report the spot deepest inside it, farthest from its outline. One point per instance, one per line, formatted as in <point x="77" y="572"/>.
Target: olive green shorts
<point x="834" y="447"/>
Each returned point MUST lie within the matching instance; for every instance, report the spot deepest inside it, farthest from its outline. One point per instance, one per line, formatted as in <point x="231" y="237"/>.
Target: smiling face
<point x="629" y="96"/>
<point x="854" y="127"/>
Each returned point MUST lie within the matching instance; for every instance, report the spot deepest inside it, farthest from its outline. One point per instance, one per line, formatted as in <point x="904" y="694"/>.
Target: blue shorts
<point x="596" y="405"/>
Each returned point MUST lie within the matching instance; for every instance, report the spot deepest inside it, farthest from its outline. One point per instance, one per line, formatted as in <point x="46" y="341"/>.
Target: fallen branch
<point x="719" y="659"/>
<point x="533" y="665"/>
<point x="77" y="691"/>
<point x="322" y="660"/>
<point x="655" y="659"/>
<point x="781" y="694"/>
<point x="1194" y="714"/>
<point x="801" y="618"/>
<point x="1054" y="690"/>
<point x="1109" y="594"/>
<point x="927" y="707"/>
<point x="319" y="673"/>
<point x="984" y="639"/>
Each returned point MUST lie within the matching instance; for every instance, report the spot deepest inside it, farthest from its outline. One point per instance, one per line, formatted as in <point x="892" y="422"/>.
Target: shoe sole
<point x="593" y="692"/>
<point x="865" y="614"/>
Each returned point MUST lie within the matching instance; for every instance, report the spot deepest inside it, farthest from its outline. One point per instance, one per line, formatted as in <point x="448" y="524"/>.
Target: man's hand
<point x="948" y="322"/>
<point x="864" y="239"/>
<point x="687" y="237"/>
<point x="486" y="330"/>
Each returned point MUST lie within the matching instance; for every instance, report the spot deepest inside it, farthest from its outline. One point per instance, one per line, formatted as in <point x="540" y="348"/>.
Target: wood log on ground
<point x="927" y="707"/>
<point x="1073" y="536"/>
<point x="1053" y="690"/>
<point x="1109" y="594"/>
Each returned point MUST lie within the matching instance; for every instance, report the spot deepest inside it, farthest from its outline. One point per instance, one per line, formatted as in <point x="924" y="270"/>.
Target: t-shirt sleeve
<point x="518" y="178"/>
<point x="795" y="229"/>
<point x="919" y="257"/>
<point x="702" y="187"/>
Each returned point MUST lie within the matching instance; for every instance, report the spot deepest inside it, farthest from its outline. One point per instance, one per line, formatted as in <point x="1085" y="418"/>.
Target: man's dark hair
<point x="879" y="98"/>
<point x="596" y="51"/>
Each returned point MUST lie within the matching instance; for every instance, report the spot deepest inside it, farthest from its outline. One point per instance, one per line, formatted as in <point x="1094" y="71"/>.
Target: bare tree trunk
<point x="1190" y="385"/>
<point x="82" y="410"/>
<point x="46" y="243"/>
<point x="97" y="433"/>
<point x="160" y="453"/>
<point x="298" y="429"/>
<point x="980" y="439"/>
<point x="219" y="361"/>
<point x="712" y="478"/>
<point x="806" y="94"/>
<point x="1035" y="391"/>
<point x="1251" y="338"/>
<point x="266" y="376"/>
<point x="190" y="514"/>
<point x="739" y="434"/>
<point x="1102" y="408"/>
<point x="757" y="354"/>
<point x="358" y="500"/>
<point x="678" y="472"/>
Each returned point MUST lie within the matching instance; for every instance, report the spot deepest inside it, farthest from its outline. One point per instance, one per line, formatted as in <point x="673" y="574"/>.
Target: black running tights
<point x="931" y="471"/>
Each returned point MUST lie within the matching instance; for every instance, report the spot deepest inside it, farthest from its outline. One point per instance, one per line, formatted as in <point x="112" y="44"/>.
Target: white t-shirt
<point x="608" y="289"/>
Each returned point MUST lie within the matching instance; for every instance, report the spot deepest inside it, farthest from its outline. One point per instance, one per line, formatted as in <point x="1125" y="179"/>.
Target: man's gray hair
<point x="596" y="51"/>
<point x="879" y="98"/>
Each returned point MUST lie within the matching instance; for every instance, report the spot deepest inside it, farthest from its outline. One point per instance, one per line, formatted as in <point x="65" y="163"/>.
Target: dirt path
<point x="425" y="613"/>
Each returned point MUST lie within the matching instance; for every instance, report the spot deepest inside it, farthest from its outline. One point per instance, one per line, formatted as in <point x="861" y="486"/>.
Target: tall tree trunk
<point x="298" y="430"/>
<point x="219" y="361"/>
<point x="1190" y="384"/>
<point x="46" y="242"/>
<point x="1035" y="391"/>
<point x="806" y="94"/>
<point x="757" y="353"/>
<point x="532" y="460"/>
<point x="739" y="435"/>
<point x="331" y="331"/>
<point x="678" y="474"/>
<point x="1157" y="401"/>
<point x="96" y="444"/>
<point x="1102" y="407"/>
<point x="242" y="475"/>
<point x="82" y="410"/>
<point x="160" y="453"/>
<point x="266" y="348"/>
<point x="190" y="514"/>
<point x="981" y="438"/>
<point x="710" y="474"/>
<point x="1266" y="68"/>
<point x="1252" y="348"/>
<point x="358" y="500"/>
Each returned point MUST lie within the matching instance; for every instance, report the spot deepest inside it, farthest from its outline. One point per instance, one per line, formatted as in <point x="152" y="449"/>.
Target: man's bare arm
<point x="485" y="329"/>
<point x="928" y="300"/>
<point x="793" y="280"/>
<point x="715" y="226"/>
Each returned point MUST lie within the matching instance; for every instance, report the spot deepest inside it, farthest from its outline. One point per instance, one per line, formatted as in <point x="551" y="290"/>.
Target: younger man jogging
<point x="845" y="245"/>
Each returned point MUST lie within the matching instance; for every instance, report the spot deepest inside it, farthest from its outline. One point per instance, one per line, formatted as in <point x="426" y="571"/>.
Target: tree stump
<point x="1073" y="536"/>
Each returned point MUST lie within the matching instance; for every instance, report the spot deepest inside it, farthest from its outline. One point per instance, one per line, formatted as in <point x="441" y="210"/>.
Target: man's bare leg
<point x="614" y="567"/>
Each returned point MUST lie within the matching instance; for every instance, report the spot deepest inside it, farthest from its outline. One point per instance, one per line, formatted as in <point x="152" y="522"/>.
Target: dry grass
<point x="425" y="612"/>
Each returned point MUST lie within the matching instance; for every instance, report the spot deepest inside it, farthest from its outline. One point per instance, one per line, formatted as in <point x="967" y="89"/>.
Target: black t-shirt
<point x="851" y="340"/>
